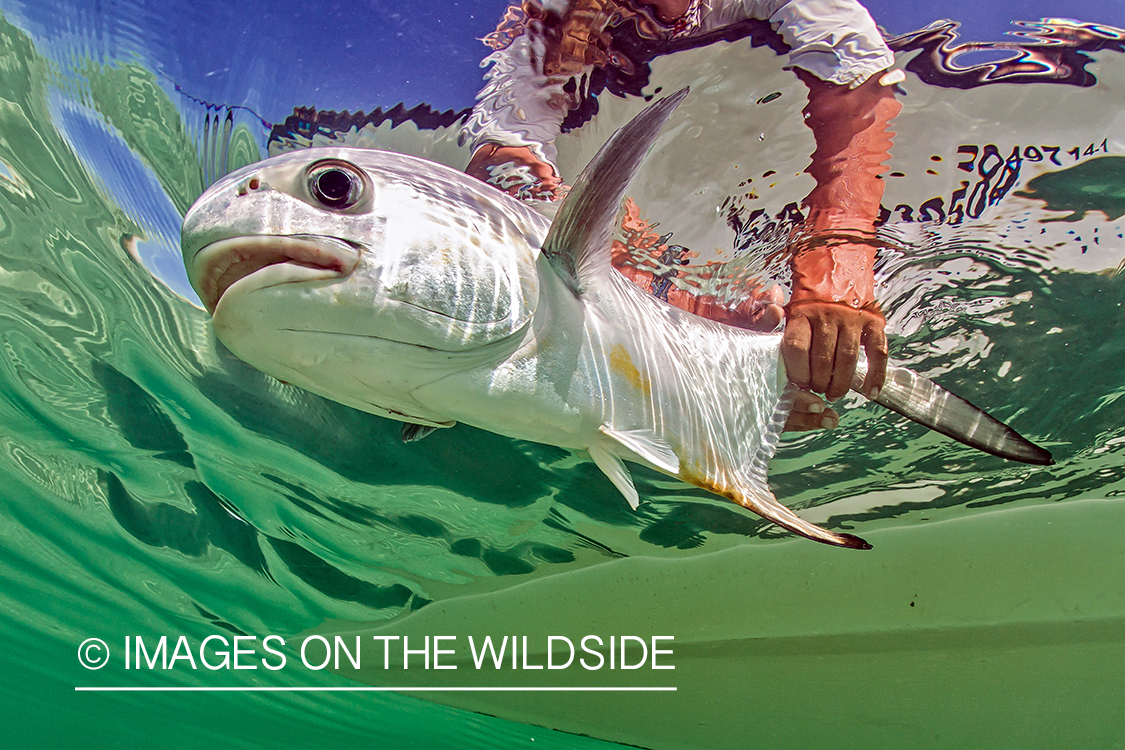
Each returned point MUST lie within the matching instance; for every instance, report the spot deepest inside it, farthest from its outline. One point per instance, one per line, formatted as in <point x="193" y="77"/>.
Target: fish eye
<point x="335" y="184"/>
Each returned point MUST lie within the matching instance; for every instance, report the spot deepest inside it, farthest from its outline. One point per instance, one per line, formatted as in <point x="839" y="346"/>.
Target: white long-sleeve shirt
<point x="835" y="40"/>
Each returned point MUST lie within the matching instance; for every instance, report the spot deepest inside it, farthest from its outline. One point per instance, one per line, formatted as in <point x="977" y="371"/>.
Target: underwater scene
<point x="212" y="536"/>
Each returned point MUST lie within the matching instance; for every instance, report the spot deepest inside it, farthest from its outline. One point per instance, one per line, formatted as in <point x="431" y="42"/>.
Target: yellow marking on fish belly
<point x="622" y="364"/>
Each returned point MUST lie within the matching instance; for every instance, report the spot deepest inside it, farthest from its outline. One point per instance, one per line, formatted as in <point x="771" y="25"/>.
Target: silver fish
<point x="410" y="290"/>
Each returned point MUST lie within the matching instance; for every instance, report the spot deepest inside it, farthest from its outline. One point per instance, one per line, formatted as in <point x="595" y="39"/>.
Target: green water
<point x="124" y="427"/>
<point x="152" y="484"/>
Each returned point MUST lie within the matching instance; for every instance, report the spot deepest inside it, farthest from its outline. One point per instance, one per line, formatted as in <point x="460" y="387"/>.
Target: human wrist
<point x="840" y="272"/>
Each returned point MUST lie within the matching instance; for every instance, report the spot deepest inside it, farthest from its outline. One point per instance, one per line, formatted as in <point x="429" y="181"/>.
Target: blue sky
<point x="988" y="20"/>
<point x="272" y="56"/>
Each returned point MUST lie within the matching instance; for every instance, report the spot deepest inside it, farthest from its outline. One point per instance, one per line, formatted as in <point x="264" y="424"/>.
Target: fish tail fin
<point x="923" y="401"/>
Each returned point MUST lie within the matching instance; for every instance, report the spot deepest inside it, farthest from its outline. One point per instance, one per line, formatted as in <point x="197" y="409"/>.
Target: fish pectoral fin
<point x="412" y="433"/>
<point x="648" y="445"/>
<point x="767" y="506"/>
<point x="614" y="468"/>
<point x="923" y="401"/>
<point x="580" y="240"/>
<point x="398" y="413"/>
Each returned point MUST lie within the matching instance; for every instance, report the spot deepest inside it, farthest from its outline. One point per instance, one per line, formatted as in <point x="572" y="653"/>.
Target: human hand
<point x="763" y="314"/>
<point x="832" y="311"/>
<point x="809" y="412"/>
<point x="761" y="310"/>
<point x="821" y="345"/>
<point x="517" y="171"/>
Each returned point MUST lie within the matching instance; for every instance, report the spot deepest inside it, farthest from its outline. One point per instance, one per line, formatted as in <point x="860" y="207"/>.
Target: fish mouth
<point x="219" y="265"/>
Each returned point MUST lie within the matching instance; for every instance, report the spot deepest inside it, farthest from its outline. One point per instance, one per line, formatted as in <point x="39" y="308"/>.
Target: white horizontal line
<point x="372" y="689"/>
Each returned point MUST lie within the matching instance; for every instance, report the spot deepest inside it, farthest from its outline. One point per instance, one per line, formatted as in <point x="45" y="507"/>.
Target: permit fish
<point x="407" y="289"/>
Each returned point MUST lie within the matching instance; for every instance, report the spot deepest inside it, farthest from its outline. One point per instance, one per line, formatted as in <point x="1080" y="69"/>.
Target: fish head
<point x="389" y="257"/>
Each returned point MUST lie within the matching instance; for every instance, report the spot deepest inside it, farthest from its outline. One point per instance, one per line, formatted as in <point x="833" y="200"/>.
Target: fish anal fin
<point x="614" y="468"/>
<point x="767" y="506"/>
<point x="648" y="445"/>
<point x="761" y="501"/>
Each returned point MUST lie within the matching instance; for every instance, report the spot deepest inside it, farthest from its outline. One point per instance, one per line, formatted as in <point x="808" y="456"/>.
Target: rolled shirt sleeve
<point x="835" y="40"/>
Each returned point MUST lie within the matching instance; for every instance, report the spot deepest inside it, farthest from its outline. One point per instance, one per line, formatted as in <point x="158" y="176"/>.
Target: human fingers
<point x="766" y="319"/>
<point x="770" y="314"/>
<point x="795" y="349"/>
<point x="843" y="366"/>
<point x="875" y="346"/>
<point x="809" y="412"/>
<point x="822" y="352"/>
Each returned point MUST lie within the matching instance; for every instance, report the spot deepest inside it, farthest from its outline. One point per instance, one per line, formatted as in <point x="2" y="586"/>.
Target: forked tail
<point x="923" y="401"/>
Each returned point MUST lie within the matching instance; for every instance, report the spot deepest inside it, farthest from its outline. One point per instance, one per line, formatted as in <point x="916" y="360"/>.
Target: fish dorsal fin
<point x="614" y="468"/>
<point x="581" y="236"/>
<point x="648" y="445"/>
